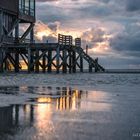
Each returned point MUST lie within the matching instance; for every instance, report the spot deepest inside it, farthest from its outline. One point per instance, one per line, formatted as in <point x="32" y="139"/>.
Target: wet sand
<point x="99" y="107"/>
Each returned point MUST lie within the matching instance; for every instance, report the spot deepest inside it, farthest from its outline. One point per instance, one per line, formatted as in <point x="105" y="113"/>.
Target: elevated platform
<point x="46" y="57"/>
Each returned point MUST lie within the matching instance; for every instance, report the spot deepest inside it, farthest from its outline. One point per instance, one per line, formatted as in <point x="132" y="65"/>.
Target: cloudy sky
<point x="111" y="28"/>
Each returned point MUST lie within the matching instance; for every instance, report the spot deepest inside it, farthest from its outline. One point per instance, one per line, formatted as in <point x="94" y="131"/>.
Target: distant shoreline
<point x="122" y="71"/>
<point x="109" y="71"/>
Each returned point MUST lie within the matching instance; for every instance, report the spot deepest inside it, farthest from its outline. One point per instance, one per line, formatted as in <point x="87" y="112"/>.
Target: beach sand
<point x="69" y="106"/>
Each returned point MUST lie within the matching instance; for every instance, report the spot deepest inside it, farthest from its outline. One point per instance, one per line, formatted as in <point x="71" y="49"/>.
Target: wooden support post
<point x="57" y="59"/>
<point x="17" y="33"/>
<point x="32" y="41"/>
<point x="1" y="59"/>
<point x="81" y="64"/>
<point x="32" y="53"/>
<point x="37" y="62"/>
<point x="16" y="52"/>
<point x="16" y="114"/>
<point x="29" y="59"/>
<point x="1" y="39"/>
<point x="64" y="69"/>
<point x="90" y="68"/>
<point x="96" y="65"/>
<point x="5" y="65"/>
<point x="49" y="61"/>
<point x="44" y="63"/>
<point x="70" y="62"/>
<point x="16" y="61"/>
<point x="32" y="60"/>
<point x="32" y="36"/>
<point x="96" y="68"/>
<point x="74" y="61"/>
<point x="1" y="27"/>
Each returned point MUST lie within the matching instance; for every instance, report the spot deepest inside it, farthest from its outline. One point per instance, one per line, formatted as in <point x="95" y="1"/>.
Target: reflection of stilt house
<point x="10" y="119"/>
<point x="64" y="99"/>
<point x="6" y="118"/>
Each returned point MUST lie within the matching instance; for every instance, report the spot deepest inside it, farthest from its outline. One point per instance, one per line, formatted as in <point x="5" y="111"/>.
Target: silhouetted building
<point x="12" y="14"/>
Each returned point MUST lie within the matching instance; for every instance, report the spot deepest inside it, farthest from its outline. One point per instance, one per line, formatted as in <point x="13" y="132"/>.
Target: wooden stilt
<point x="32" y="36"/>
<point x="17" y="33"/>
<point x="70" y="62"/>
<point x="90" y="68"/>
<point x="81" y="64"/>
<point x="16" y="61"/>
<point x="37" y="62"/>
<point x="44" y="63"/>
<point x="32" y="53"/>
<point x="5" y="65"/>
<point x="29" y="59"/>
<point x="64" y="69"/>
<point x="74" y="61"/>
<point x="1" y="59"/>
<point x="49" y="61"/>
<point x="1" y="35"/>
<point x="57" y="59"/>
<point x="32" y="60"/>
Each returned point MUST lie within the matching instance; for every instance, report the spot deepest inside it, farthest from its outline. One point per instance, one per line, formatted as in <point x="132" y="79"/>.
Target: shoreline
<point x="107" y="71"/>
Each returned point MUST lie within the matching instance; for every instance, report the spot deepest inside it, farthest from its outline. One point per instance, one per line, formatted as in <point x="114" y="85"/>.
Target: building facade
<point x="12" y="16"/>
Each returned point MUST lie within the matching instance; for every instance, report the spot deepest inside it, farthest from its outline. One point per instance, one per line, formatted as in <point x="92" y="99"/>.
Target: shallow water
<point x="44" y="112"/>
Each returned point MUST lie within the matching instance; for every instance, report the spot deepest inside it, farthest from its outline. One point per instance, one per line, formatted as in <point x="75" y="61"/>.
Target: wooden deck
<point x="46" y="57"/>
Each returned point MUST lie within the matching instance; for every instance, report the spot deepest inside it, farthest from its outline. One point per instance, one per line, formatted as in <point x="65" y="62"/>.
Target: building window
<point x="27" y="7"/>
<point x="32" y="7"/>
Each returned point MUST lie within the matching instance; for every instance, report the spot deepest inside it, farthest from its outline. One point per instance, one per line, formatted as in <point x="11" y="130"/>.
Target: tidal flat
<point x="69" y="106"/>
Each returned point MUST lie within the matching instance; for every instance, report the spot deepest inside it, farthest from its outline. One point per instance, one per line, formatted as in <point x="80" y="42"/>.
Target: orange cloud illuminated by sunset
<point x="97" y="39"/>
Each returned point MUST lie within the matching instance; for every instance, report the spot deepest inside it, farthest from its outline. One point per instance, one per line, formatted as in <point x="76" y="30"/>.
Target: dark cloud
<point x="49" y="13"/>
<point x="84" y="13"/>
<point x="128" y="41"/>
<point x="54" y="26"/>
<point x="133" y="5"/>
<point x="93" y="11"/>
<point x="93" y="36"/>
<point x="46" y="0"/>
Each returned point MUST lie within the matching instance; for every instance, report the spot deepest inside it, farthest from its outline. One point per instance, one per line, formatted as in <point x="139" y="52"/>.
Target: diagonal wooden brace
<point x="26" y="33"/>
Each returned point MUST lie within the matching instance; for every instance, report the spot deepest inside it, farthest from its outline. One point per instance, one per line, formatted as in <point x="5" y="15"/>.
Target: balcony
<point x="27" y="7"/>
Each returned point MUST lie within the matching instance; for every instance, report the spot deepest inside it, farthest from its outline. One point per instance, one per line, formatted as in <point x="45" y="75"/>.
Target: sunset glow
<point x="43" y="30"/>
<point x="103" y="29"/>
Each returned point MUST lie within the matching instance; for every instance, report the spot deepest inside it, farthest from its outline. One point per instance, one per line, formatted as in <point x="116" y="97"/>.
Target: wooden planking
<point x="65" y="39"/>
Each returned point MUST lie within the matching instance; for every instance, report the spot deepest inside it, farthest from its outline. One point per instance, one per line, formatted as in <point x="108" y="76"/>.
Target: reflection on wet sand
<point x="40" y="113"/>
<point x="64" y="99"/>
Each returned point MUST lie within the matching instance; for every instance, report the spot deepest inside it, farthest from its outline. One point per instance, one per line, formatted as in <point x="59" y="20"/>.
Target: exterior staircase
<point x="92" y="62"/>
